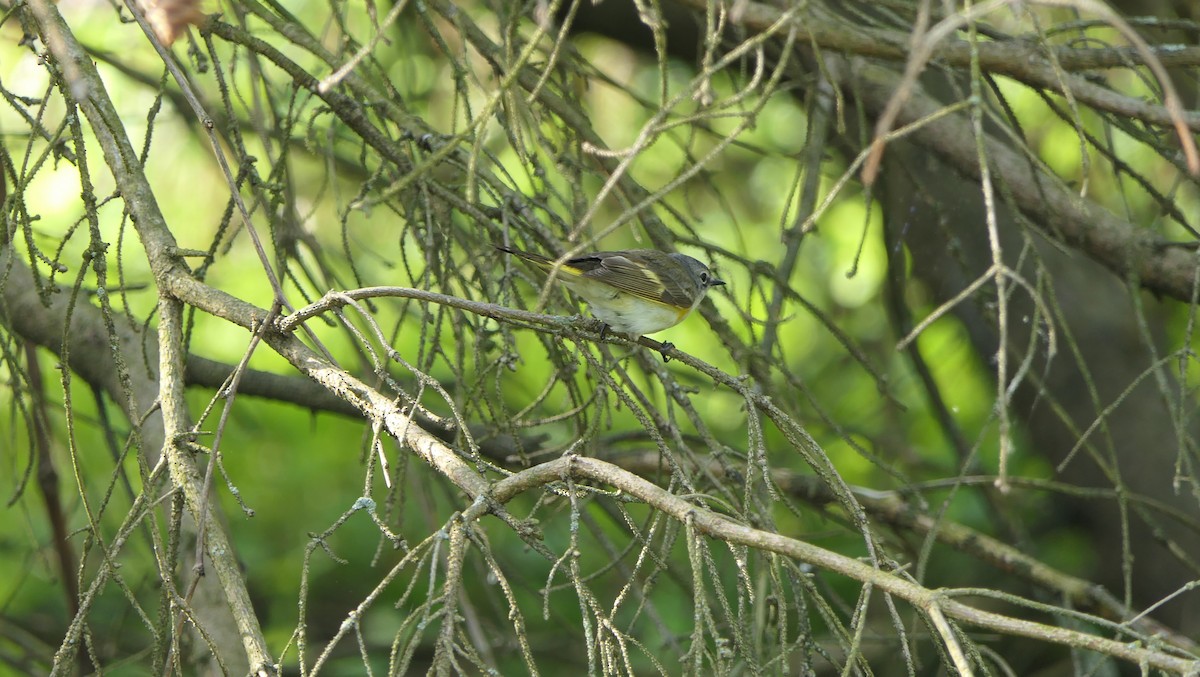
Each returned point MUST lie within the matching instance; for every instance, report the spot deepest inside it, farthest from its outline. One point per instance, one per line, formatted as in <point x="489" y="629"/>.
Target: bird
<point x="632" y="291"/>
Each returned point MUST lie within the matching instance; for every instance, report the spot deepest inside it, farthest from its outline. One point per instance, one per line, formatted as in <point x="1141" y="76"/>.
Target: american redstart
<point x="636" y="291"/>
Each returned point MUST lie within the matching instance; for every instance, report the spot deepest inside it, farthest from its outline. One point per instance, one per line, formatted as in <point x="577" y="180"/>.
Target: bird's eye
<point x="704" y="278"/>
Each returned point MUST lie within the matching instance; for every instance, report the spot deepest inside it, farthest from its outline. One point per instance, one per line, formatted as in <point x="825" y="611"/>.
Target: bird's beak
<point x="714" y="282"/>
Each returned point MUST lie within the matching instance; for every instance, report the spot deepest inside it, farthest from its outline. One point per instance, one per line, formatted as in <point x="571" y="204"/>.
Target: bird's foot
<point x="664" y="348"/>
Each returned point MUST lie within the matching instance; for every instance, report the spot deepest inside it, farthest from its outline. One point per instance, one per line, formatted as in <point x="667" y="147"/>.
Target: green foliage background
<point x="289" y="474"/>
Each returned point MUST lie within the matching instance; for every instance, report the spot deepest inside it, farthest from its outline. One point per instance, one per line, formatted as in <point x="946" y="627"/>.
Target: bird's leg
<point x="664" y="348"/>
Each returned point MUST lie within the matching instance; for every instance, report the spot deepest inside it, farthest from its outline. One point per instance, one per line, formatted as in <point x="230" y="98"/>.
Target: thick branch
<point x="722" y="528"/>
<point x="79" y="74"/>
<point x="1128" y="251"/>
<point x="1024" y="61"/>
<point x="891" y="508"/>
<point x="188" y="477"/>
<point x="1125" y="248"/>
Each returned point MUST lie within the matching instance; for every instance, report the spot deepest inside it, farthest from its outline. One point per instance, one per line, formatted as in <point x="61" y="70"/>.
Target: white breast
<point x="625" y="313"/>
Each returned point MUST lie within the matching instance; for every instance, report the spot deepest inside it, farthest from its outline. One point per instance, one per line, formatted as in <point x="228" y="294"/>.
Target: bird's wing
<point x="631" y="276"/>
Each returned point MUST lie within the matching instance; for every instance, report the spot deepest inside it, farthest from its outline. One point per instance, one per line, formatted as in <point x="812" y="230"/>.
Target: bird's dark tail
<point x="528" y="256"/>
